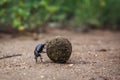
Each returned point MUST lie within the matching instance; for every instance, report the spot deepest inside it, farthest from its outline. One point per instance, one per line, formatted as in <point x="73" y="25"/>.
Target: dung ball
<point x="59" y="49"/>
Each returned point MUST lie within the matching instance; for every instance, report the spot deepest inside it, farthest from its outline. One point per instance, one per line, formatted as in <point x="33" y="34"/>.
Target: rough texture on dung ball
<point x="59" y="49"/>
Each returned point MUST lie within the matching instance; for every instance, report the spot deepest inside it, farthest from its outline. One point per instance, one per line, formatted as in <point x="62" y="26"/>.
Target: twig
<point x="9" y="56"/>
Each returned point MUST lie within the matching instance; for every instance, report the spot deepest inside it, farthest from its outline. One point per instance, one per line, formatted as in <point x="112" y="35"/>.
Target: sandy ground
<point x="95" y="56"/>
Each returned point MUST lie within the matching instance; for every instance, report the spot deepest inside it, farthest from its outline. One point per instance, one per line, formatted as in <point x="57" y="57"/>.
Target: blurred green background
<point x="30" y="14"/>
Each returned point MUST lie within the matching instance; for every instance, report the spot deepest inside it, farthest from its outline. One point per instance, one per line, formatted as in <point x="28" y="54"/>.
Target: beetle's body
<point x="38" y="50"/>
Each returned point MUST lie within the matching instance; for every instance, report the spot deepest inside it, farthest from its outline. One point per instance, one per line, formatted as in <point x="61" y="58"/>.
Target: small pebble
<point x="24" y="73"/>
<point x="102" y="50"/>
<point x="96" y="55"/>
<point x="70" y="65"/>
<point x="42" y="76"/>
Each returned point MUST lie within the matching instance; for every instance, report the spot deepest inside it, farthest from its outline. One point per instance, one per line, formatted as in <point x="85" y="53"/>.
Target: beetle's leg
<point x="43" y="52"/>
<point x="41" y="58"/>
<point x="36" y="59"/>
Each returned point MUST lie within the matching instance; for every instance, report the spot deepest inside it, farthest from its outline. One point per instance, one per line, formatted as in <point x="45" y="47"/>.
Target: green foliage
<point x="28" y="14"/>
<point x="111" y="14"/>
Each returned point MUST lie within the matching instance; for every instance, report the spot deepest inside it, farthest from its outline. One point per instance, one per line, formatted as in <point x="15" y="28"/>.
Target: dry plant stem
<point x="10" y="56"/>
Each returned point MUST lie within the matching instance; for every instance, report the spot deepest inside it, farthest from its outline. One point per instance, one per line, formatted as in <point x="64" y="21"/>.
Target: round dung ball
<point x="59" y="49"/>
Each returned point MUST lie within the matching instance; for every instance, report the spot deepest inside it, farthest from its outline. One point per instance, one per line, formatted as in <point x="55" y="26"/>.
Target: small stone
<point x="24" y="73"/>
<point x="70" y="65"/>
<point x="102" y="50"/>
<point x="96" y="55"/>
<point x="42" y="76"/>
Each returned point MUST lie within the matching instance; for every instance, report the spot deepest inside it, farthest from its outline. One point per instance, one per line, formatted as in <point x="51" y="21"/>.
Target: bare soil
<point x="95" y="56"/>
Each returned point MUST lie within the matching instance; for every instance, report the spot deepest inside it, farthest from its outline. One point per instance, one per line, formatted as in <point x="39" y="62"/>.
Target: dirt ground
<point x="95" y="56"/>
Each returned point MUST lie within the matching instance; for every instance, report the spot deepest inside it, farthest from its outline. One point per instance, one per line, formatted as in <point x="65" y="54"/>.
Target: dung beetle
<point x="38" y="50"/>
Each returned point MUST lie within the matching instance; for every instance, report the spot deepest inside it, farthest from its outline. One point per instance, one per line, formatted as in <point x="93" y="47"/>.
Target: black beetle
<point x="38" y="50"/>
